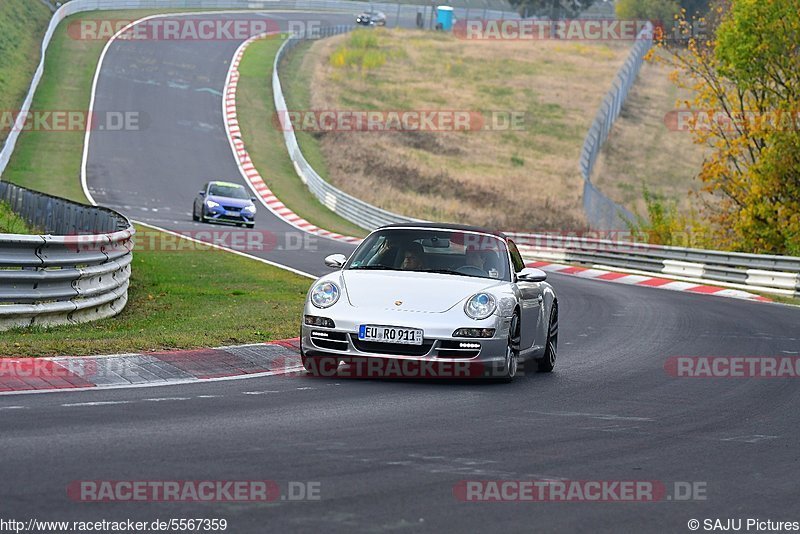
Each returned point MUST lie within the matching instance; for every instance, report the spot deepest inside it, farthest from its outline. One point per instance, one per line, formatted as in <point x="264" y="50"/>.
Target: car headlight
<point x="325" y="294"/>
<point x="480" y="306"/>
<point x="211" y="204"/>
<point x="249" y="209"/>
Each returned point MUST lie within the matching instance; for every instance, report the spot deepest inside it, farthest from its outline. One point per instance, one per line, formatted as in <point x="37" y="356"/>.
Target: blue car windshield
<point x="228" y="191"/>
<point x="437" y="251"/>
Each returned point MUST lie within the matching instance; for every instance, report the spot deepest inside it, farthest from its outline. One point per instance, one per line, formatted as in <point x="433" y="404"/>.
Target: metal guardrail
<point x="772" y="274"/>
<point x="80" y="274"/>
<point x="347" y="206"/>
<point x="601" y="211"/>
<point x="761" y="272"/>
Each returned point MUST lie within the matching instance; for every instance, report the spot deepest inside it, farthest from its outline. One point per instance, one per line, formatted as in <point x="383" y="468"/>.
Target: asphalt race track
<point x="154" y="174"/>
<point x="387" y="454"/>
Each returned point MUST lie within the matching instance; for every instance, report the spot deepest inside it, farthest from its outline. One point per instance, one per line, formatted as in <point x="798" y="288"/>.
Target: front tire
<point x="318" y="366"/>
<point x="548" y="361"/>
<point x="510" y="365"/>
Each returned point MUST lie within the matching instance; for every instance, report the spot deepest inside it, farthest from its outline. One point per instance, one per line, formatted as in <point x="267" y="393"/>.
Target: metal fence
<point x="79" y="274"/>
<point x="602" y="212"/>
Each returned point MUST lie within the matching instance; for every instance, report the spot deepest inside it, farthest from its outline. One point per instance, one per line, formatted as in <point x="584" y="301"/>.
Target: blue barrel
<point x="444" y="18"/>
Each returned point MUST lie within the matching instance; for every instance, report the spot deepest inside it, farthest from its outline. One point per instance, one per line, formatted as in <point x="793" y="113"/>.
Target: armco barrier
<point x="354" y="210"/>
<point x="772" y="274"/>
<point x="79" y="274"/>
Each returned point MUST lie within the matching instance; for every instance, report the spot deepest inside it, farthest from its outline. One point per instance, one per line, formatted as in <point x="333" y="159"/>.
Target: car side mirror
<point x="336" y="261"/>
<point x="529" y="274"/>
<point x="253" y="199"/>
<point x="202" y="193"/>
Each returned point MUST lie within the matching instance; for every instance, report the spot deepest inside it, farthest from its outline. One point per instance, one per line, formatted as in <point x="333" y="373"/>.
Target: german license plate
<point x="231" y="214"/>
<point x="390" y="334"/>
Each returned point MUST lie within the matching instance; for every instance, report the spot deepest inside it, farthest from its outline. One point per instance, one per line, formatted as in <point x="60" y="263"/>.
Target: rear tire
<point x="548" y="361"/>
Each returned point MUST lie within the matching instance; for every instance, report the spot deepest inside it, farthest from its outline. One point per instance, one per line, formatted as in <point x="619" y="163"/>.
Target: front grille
<point x="393" y="349"/>
<point x="329" y="340"/>
<point x="454" y="349"/>
<point x="232" y="208"/>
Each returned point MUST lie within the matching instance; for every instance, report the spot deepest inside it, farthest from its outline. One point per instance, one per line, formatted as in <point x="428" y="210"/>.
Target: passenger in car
<point x="414" y="258"/>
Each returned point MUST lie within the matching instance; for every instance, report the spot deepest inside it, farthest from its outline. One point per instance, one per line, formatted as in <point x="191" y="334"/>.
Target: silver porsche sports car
<point x="430" y="300"/>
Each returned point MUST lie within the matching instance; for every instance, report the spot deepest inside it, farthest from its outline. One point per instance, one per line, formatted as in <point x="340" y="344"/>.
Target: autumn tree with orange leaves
<point x="744" y="75"/>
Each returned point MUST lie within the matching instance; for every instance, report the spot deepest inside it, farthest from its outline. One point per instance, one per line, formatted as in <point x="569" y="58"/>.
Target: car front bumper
<point x="440" y="355"/>
<point x="222" y="215"/>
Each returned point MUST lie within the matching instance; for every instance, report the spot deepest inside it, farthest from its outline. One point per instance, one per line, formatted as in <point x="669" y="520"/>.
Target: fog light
<point x="474" y="332"/>
<point x="469" y="345"/>
<point x="313" y="320"/>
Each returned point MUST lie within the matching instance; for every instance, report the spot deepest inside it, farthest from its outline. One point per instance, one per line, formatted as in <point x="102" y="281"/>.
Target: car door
<point x="531" y="304"/>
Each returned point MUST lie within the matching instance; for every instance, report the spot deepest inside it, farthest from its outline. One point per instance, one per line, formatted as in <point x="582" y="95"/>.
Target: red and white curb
<point x="246" y="166"/>
<point x="163" y="368"/>
<point x="647" y="281"/>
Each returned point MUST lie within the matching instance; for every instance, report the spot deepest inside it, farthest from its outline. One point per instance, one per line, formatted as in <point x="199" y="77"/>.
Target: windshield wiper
<point x="447" y="271"/>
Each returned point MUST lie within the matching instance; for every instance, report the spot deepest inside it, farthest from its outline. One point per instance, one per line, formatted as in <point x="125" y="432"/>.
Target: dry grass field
<point x="511" y="179"/>
<point x="520" y="179"/>
<point x="642" y="151"/>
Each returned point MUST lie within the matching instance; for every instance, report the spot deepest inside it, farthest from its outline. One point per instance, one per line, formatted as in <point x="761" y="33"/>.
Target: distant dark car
<point x="224" y="202"/>
<point x="371" y="18"/>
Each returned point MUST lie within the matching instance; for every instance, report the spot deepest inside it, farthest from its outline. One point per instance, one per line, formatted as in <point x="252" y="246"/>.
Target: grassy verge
<point x="22" y="26"/>
<point x="11" y="223"/>
<point x="265" y="143"/>
<point x="180" y="299"/>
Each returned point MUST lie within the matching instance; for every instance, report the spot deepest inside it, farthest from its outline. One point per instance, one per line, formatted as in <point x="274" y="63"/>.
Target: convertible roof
<point x="447" y="226"/>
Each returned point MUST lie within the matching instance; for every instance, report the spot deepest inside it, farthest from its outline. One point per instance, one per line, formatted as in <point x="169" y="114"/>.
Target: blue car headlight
<point x="480" y="306"/>
<point x="210" y="204"/>
<point x="250" y="210"/>
<point x="325" y="294"/>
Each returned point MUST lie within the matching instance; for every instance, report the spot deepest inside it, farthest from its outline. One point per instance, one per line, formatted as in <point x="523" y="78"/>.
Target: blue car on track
<point x="224" y="202"/>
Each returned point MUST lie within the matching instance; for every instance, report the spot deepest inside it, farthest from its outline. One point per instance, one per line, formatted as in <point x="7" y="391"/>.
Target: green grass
<point x="11" y="223"/>
<point x="255" y="106"/>
<point x="22" y="26"/>
<point x="181" y="299"/>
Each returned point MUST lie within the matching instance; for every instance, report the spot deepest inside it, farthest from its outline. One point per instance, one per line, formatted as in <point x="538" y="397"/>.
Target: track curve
<point x="388" y="453"/>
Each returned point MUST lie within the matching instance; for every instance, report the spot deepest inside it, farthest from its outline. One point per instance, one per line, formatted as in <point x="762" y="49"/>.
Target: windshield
<point x="438" y="251"/>
<point x="228" y="190"/>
